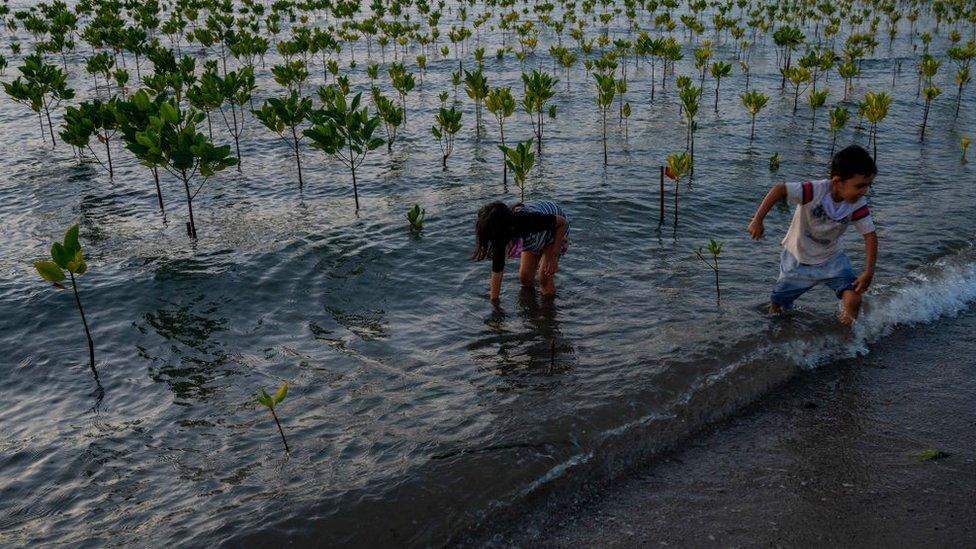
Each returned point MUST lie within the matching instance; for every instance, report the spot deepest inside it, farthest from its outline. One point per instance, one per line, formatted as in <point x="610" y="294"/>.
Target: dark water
<point x="416" y="411"/>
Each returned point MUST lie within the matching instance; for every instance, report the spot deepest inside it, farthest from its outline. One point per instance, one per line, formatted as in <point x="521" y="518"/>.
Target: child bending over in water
<point x="537" y="231"/>
<point x="813" y="249"/>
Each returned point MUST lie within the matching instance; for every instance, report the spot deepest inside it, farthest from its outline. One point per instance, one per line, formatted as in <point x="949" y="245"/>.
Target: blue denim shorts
<point x="796" y="278"/>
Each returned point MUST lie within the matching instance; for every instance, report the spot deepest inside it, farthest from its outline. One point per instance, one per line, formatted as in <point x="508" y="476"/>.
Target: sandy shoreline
<point x="830" y="459"/>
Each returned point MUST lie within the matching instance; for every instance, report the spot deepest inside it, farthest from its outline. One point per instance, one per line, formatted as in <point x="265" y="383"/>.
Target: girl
<point x="537" y="231"/>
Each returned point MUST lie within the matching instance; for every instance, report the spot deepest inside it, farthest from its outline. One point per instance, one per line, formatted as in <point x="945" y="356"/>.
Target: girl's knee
<point x="527" y="279"/>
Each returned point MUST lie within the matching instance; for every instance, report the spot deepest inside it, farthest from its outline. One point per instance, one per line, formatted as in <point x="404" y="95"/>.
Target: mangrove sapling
<point x="237" y="87"/>
<point x="184" y="152"/>
<point x="838" y="119"/>
<point x="788" y="39"/>
<point x="102" y="64"/>
<point x="41" y="87"/>
<point x="678" y="166"/>
<point x="415" y="216"/>
<point x="621" y="86"/>
<point x="964" y="144"/>
<point x="520" y="160"/>
<point x="291" y="75"/>
<point x="929" y="93"/>
<point x="798" y="76"/>
<point x="774" y="162"/>
<point x="816" y="99"/>
<point x="689" y="103"/>
<point x="281" y="114"/>
<point x="390" y="113"/>
<point x="848" y="71"/>
<point x="403" y="82"/>
<point x="207" y="94"/>
<point x="714" y="249"/>
<point x="606" y="88"/>
<point x="962" y="78"/>
<point x="540" y="87"/>
<point x="754" y="101"/>
<point x="476" y="86"/>
<point x="447" y="125"/>
<point x="343" y="130"/>
<point x="94" y="118"/>
<point x="270" y="402"/>
<point x="133" y="116"/>
<point x="501" y="105"/>
<point x="67" y="256"/>
<point x="875" y="108"/>
<point x="719" y="71"/>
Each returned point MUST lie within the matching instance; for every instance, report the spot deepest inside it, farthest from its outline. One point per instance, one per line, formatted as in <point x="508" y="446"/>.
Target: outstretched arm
<point x="863" y="282"/>
<point x="551" y="264"/>
<point x="775" y="194"/>
<point x="495" y="287"/>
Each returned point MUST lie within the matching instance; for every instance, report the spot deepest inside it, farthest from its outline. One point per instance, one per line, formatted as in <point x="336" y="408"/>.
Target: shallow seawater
<point x="416" y="410"/>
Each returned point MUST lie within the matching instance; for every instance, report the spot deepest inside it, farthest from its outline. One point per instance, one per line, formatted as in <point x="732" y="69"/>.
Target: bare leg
<point x="851" y="307"/>
<point x="528" y="264"/>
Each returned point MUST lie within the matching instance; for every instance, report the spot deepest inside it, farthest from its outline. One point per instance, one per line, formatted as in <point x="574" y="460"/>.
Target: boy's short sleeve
<point x="861" y="217"/>
<point x="803" y="192"/>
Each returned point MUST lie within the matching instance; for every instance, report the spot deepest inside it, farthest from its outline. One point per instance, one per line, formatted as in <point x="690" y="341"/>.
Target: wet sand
<point x="830" y="459"/>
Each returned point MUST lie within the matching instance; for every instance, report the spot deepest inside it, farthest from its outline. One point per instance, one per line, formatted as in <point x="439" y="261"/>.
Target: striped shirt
<point x="533" y="228"/>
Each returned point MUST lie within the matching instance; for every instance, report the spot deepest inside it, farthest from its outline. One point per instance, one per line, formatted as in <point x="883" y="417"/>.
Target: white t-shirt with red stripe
<point x="817" y="231"/>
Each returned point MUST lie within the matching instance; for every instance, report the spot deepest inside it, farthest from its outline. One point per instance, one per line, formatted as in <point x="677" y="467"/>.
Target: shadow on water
<point x="195" y="359"/>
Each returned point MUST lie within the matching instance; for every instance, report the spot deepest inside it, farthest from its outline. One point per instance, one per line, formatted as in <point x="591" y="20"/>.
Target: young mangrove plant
<point x="403" y="82"/>
<point x="92" y="119"/>
<point x="476" y="86"/>
<point x="719" y="70"/>
<point x="754" y="101"/>
<point x="343" y="130"/>
<point x="964" y="144"/>
<point x="41" y="87"/>
<point x="67" y="256"/>
<point x="501" y="105"/>
<point x="929" y="93"/>
<point x="774" y="162"/>
<point x="520" y="160"/>
<point x="390" y="113"/>
<point x="816" y="99"/>
<point x="270" y="402"/>
<point x="799" y="77"/>
<point x="172" y="140"/>
<point x="606" y="88"/>
<point x="133" y="117"/>
<point x="447" y="123"/>
<point x="281" y="114"/>
<point x="838" y="119"/>
<point x="415" y="216"/>
<point x="237" y="88"/>
<point x="689" y="102"/>
<point x="540" y="87"/>
<point x="678" y="166"/>
<point x="875" y="108"/>
<point x="714" y="249"/>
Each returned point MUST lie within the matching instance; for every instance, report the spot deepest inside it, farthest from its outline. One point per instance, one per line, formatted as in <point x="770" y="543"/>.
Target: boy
<point x="813" y="247"/>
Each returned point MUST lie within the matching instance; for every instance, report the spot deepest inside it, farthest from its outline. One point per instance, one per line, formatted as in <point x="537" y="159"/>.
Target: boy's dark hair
<point x="851" y="161"/>
<point x="493" y="228"/>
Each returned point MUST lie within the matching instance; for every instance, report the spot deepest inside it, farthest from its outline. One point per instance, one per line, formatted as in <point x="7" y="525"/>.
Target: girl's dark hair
<point x="851" y="161"/>
<point x="493" y="228"/>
